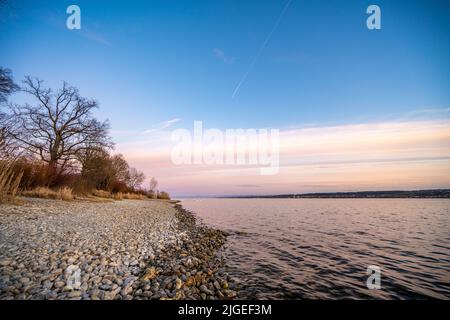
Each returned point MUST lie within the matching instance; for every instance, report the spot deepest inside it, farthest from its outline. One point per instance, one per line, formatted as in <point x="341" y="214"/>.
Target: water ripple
<point x="321" y="248"/>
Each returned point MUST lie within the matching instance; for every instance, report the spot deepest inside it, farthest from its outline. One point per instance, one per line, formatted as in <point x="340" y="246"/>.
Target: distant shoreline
<point x="434" y="193"/>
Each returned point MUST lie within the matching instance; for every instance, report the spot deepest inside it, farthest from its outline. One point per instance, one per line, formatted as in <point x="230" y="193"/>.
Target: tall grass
<point x="64" y="193"/>
<point x="133" y="196"/>
<point x="9" y="181"/>
<point x="101" y="193"/>
<point x="31" y="180"/>
<point x="118" y="196"/>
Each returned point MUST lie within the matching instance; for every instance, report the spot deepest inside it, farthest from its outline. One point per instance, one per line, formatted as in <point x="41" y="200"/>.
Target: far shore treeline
<point x="54" y="147"/>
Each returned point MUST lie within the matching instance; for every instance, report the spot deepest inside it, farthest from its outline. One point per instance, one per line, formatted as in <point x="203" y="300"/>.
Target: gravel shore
<point x="126" y="249"/>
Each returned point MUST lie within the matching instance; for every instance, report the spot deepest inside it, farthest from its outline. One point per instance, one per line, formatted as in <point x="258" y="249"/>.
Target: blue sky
<point x="147" y="62"/>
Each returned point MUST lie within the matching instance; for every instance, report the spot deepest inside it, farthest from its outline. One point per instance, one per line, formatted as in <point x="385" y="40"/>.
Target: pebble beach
<point x="118" y="250"/>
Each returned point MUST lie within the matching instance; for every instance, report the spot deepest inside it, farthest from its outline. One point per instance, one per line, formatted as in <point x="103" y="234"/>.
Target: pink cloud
<point x="392" y="155"/>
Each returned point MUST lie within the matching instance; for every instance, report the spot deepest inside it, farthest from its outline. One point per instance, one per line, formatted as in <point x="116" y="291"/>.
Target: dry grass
<point x="118" y="196"/>
<point x="9" y="181"/>
<point x="64" y="193"/>
<point x="133" y="196"/>
<point x="39" y="192"/>
<point x="101" y="193"/>
<point x="93" y="199"/>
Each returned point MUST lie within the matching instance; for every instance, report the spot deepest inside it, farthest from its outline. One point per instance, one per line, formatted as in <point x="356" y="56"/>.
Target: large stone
<point x="178" y="284"/>
<point x="73" y="277"/>
<point x="74" y="294"/>
<point x="150" y="274"/>
<point x="205" y="290"/>
<point x="5" y="262"/>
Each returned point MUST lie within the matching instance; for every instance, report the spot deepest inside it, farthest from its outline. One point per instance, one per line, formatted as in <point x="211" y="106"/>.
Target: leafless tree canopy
<point x="7" y="85"/>
<point x="136" y="178"/>
<point x="56" y="142"/>
<point x="153" y="184"/>
<point x="59" y="127"/>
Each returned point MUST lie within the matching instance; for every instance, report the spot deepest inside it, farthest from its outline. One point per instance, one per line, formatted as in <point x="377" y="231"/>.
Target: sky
<point x="356" y="109"/>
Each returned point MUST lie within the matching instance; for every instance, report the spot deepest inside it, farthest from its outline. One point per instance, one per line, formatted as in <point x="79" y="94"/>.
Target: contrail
<point x="263" y="46"/>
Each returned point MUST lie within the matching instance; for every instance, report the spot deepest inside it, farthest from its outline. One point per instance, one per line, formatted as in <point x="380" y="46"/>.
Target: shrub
<point x="163" y="195"/>
<point x="35" y="174"/>
<point x="119" y="186"/>
<point x="81" y="187"/>
<point x="152" y="194"/>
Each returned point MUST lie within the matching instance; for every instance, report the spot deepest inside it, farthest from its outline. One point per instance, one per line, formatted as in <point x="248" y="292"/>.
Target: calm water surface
<point x="321" y="248"/>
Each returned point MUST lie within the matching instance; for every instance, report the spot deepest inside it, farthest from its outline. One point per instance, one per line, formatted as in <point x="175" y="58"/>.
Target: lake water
<point x="321" y="248"/>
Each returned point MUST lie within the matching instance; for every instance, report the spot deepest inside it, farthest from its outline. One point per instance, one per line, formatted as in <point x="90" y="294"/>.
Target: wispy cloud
<point x="429" y="112"/>
<point x="383" y="155"/>
<point x="249" y="186"/>
<point x="94" y="36"/>
<point x="261" y="49"/>
<point x="162" y="125"/>
<point x="220" y="54"/>
<point x="88" y="31"/>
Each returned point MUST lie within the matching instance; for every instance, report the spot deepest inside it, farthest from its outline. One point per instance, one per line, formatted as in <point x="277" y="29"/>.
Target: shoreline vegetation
<point x="97" y="243"/>
<point x="151" y="249"/>
<point x="432" y="193"/>
<point x="52" y="146"/>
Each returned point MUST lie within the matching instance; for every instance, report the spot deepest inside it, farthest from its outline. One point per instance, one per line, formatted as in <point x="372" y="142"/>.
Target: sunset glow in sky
<point x="375" y="156"/>
<point x="356" y="109"/>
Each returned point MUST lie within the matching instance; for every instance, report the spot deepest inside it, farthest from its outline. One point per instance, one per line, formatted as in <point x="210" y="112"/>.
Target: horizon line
<point x="313" y="193"/>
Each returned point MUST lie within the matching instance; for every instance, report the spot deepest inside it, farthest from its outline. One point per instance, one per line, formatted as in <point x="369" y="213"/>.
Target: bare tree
<point x="103" y="171"/>
<point x="3" y="135"/>
<point x="7" y="87"/>
<point x="120" y="170"/>
<point x="59" y="127"/>
<point x="153" y="184"/>
<point x="8" y="149"/>
<point x="152" y="192"/>
<point x="96" y="168"/>
<point x="136" y="178"/>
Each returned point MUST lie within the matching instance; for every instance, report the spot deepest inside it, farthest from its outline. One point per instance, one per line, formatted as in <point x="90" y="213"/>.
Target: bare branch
<point x="59" y="127"/>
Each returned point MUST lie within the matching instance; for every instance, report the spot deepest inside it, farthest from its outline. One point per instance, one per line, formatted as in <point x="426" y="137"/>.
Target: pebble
<point x="113" y="250"/>
<point x="150" y="274"/>
<point x="204" y="289"/>
<point x="178" y="284"/>
<point x="5" y="262"/>
<point x="74" y="294"/>
<point x="71" y="260"/>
